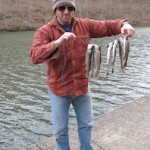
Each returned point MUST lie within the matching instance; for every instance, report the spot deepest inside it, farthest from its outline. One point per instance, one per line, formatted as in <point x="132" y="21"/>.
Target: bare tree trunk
<point x="131" y="7"/>
<point x="110" y="7"/>
<point x="142" y="9"/>
<point x="46" y="20"/>
<point x="87" y="10"/>
<point x="1" y="8"/>
<point x="101" y="9"/>
<point x="88" y="6"/>
<point x="80" y="9"/>
<point x="29" y="10"/>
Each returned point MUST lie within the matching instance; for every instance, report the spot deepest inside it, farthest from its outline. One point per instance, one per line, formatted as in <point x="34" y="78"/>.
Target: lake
<point x="25" y="113"/>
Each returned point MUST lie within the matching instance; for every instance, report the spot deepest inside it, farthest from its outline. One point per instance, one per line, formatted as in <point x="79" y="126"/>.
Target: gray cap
<point x="57" y="3"/>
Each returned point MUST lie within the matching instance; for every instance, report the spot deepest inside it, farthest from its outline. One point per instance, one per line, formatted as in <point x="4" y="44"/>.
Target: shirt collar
<point x="56" y="23"/>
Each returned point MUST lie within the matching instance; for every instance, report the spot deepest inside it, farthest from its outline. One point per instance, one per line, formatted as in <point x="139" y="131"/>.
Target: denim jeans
<point x="60" y="117"/>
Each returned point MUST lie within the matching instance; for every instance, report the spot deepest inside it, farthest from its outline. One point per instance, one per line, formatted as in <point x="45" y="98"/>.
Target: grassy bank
<point x="19" y="15"/>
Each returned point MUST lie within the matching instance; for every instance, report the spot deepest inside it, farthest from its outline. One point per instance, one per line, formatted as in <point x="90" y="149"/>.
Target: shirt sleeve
<point x="104" y="28"/>
<point x="42" y="48"/>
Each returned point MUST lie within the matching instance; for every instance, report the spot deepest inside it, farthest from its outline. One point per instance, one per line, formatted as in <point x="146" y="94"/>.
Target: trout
<point x="97" y="60"/>
<point x="126" y="50"/>
<point x="115" y="43"/>
<point x="120" y="42"/>
<point x="88" y="60"/>
<point x="109" y="51"/>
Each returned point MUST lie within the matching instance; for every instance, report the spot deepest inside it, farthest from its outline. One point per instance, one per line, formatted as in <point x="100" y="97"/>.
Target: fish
<point x="124" y="49"/>
<point x="115" y="43"/>
<point x="120" y="43"/>
<point x="92" y="63"/>
<point x="88" y="60"/>
<point x="109" y="52"/>
<point x="97" y="60"/>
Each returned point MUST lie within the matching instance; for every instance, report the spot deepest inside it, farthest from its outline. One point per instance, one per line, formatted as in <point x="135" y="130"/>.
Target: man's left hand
<point x="127" y="30"/>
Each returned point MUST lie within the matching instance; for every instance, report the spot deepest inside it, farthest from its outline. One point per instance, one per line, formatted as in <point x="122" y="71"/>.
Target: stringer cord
<point x="64" y="68"/>
<point x="65" y="96"/>
<point x="65" y="63"/>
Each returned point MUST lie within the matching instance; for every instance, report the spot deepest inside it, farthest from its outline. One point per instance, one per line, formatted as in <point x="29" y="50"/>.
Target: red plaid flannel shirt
<point x="75" y="79"/>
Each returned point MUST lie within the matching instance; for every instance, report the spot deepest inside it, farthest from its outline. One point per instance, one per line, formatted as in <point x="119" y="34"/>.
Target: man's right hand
<point x="66" y="37"/>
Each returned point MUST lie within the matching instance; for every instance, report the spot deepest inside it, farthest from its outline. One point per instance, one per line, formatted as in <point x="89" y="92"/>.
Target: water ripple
<point x="25" y="113"/>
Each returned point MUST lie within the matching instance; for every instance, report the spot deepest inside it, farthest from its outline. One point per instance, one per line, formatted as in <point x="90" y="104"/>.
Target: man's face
<point x="65" y="14"/>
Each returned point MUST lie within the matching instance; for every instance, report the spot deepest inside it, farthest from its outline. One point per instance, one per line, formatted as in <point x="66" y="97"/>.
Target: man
<point x="62" y="44"/>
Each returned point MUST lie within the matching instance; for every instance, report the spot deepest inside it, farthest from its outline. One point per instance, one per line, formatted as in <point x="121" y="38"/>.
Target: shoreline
<point x="24" y="28"/>
<point x="125" y="128"/>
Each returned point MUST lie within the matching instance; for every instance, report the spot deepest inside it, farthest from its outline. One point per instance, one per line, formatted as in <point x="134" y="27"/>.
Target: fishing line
<point x="64" y="68"/>
<point x="82" y="40"/>
<point x="65" y="96"/>
<point x="78" y="37"/>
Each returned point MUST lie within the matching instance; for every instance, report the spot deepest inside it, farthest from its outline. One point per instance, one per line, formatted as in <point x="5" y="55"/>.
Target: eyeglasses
<point x="62" y="8"/>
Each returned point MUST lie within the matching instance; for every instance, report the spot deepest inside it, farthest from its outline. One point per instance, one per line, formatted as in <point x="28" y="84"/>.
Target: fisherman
<point x="62" y="44"/>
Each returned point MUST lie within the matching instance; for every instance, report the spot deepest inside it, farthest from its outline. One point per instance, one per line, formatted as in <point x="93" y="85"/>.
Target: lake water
<point x="25" y="113"/>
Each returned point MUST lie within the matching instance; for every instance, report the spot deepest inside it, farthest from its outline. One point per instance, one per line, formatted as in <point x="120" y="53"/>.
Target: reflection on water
<point x="25" y="113"/>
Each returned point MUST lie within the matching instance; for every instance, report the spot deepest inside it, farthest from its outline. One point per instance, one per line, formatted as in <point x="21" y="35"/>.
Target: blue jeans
<point x="60" y="116"/>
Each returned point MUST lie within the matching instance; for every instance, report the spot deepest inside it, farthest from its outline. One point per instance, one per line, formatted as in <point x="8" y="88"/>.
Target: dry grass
<point x="31" y="14"/>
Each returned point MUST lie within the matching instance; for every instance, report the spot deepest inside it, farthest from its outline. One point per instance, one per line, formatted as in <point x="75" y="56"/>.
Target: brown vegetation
<point x="31" y="14"/>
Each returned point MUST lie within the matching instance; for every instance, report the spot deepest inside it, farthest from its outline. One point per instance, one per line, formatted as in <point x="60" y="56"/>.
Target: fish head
<point x="116" y="42"/>
<point x="90" y="46"/>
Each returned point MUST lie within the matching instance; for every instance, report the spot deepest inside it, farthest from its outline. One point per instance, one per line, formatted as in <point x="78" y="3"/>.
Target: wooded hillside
<point x="31" y="14"/>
